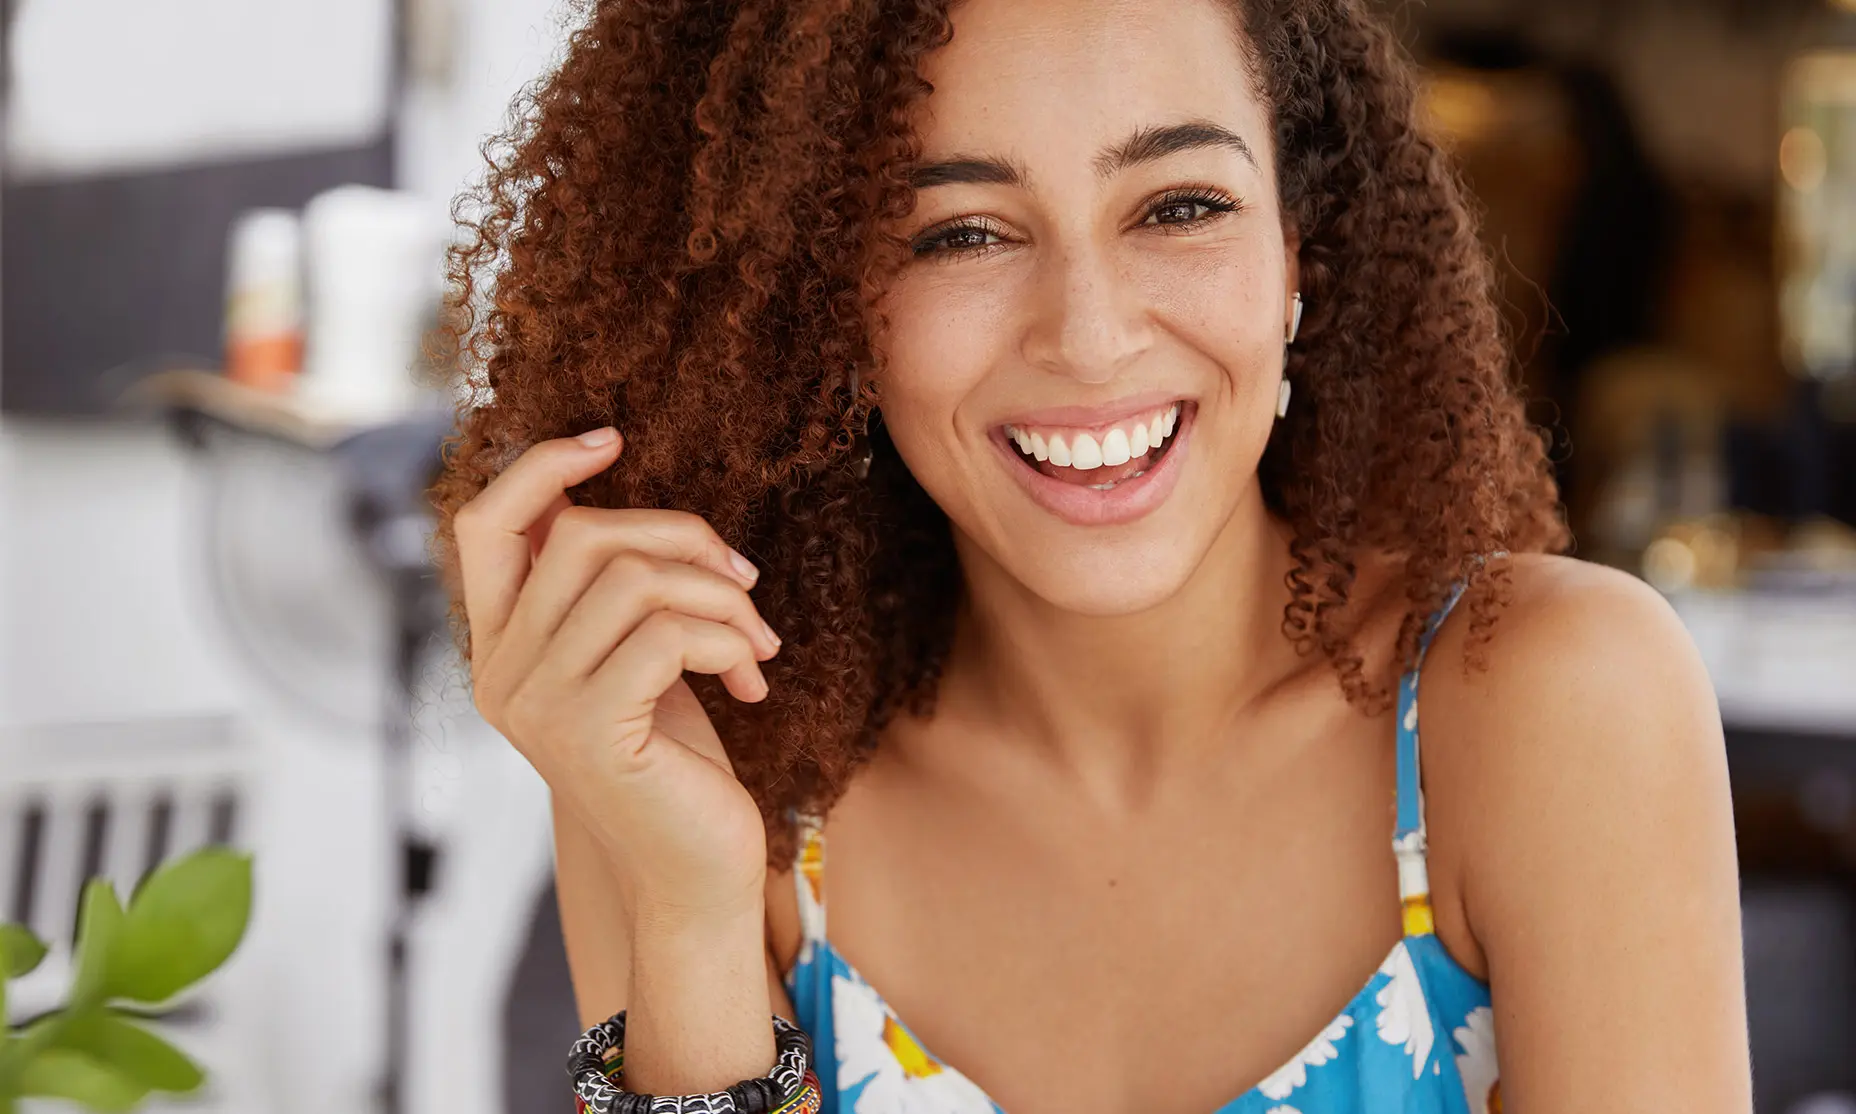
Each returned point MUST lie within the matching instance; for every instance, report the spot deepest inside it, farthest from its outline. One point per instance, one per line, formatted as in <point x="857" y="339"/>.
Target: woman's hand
<point x="582" y="623"/>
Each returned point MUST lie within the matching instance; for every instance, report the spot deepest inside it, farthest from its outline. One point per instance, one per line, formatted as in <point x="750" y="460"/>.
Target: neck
<point x="1126" y="692"/>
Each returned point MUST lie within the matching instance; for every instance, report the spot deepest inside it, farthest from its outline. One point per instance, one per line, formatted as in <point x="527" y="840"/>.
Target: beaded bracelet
<point x="598" y="1059"/>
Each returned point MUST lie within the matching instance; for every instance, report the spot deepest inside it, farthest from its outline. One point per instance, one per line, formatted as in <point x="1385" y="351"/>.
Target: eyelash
<point x="932" y="243"/>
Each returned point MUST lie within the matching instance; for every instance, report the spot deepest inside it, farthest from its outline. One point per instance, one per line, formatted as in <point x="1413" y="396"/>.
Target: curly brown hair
<point x="680" y="235"/>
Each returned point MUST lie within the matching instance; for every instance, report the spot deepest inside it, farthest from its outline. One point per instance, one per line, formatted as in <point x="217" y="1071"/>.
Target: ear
<point x="1292" y="266"/>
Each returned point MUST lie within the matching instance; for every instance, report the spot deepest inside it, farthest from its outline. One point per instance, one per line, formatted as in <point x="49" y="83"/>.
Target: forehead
<point x="1041" y="76"/>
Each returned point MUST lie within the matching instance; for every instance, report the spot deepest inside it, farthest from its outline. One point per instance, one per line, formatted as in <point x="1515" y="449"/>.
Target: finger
<point x="586" y="536"/>
<point x="629" y="590"/>
<point x="538" y="533"/>
<point x="662" y="647"/>
<point x="492" y="541"/>
<point x="582" y="543"/>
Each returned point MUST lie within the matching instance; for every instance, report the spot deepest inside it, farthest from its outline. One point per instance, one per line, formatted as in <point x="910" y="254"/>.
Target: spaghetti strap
<point x="1408" y="842"/>
<point x="809" y="877"/>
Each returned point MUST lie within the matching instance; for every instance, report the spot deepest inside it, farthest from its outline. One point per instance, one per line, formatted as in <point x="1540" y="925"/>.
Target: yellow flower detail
<point x="1418" y="918"/>
<point x="915" y="1061"/>
<point x="812" y="863"/>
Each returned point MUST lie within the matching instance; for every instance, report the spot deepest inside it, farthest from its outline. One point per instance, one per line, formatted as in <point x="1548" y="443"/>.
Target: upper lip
<point x="1087" y="417"/>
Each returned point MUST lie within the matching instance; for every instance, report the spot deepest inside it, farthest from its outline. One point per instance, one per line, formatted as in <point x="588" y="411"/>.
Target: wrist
<point x="662" y="919"/>
<point x="699" y="1003"/>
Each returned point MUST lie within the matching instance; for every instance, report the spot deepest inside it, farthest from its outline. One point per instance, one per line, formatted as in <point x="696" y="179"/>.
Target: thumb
<point x="544" y="522"/>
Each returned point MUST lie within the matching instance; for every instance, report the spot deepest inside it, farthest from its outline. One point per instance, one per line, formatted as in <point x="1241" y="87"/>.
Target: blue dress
<point x="1418" y="1038"/>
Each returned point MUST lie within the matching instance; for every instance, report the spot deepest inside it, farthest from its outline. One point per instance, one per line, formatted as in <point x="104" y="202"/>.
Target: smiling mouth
<point x="1100" y="460"/>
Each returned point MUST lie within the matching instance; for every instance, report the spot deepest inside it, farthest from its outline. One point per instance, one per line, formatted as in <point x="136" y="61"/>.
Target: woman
<point x="1105" y="404"/>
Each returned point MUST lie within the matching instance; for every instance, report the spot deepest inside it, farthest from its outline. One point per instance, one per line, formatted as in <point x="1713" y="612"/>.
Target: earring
<point x="860" y="464"/>
<point x="1295" y="327"/>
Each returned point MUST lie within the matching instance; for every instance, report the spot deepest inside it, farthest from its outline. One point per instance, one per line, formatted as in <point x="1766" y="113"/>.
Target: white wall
<point x="110" y="85"/>
<point x="470" y="59"/>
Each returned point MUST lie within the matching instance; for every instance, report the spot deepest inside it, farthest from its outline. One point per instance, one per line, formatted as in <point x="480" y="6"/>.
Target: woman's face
<point x="1097" y="246"/>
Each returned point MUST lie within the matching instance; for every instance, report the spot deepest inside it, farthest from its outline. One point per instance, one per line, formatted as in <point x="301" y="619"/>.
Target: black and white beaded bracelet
<point x="595" y="1091"/>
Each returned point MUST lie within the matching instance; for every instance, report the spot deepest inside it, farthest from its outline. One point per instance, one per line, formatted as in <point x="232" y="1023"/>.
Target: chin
<point x="1106" y="579"/>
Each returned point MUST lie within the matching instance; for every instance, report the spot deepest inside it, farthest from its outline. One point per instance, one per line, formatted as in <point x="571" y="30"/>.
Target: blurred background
<point x="221" y="225"/>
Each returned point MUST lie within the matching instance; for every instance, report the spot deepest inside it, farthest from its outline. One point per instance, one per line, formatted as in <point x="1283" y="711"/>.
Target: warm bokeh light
<point x="1459" y="110"/>
<point x="1802" y="158"/>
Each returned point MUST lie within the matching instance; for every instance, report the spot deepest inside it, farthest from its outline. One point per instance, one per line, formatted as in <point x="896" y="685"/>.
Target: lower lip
<point x="1127" y="501"/>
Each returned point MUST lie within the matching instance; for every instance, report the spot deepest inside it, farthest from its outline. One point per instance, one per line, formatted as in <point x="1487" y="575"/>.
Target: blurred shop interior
<point x="221" y="228"/>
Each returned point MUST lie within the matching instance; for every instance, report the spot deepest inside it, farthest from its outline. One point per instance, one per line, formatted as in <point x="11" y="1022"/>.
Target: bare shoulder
<point x="1582" y="660"/>
<point x="1582" y="834"/>
<point x="1585" y="710"/>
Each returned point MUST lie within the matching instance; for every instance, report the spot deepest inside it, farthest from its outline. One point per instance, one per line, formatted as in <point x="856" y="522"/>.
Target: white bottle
<point x="376" y="273"/>
<point x="264" y="300"/>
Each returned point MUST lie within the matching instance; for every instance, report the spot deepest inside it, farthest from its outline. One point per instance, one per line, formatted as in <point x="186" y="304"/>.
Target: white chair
<point x="80" y="800"/>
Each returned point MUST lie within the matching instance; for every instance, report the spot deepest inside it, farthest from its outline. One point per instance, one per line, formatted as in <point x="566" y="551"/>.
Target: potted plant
<point x="181" y="924"/>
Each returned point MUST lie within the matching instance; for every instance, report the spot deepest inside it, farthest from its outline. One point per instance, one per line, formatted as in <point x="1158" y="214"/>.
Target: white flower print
<point x="1404" y="1015"/>
<point x="1284" y="1080"/>
<point x="1411" y="717"/>
<point x="1476" y="1064"/>
<point x="857" y="1016"/>
<point x="1282" y="1110"/>
<point x="899" y="1077"/>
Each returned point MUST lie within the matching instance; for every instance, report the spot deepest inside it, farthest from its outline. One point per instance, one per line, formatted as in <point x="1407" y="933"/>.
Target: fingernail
<point x="594" y="438"/>
<point x="760" y="683"/>
<point x="771" y="637"/>
<point x="743" y="566"/>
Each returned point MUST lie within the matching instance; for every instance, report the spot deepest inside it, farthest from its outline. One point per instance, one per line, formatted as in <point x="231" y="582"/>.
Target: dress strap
<point x="1408" y="842"/>
<point x="809" y="876"/>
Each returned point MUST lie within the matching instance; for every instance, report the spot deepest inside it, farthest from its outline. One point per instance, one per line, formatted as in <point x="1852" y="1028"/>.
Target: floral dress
<point x="1418" y="1038"/>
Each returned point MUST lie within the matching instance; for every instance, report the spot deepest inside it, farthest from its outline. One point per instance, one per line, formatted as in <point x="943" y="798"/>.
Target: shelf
<point x="280" y="415"/>
<point x="1779" y="662"/>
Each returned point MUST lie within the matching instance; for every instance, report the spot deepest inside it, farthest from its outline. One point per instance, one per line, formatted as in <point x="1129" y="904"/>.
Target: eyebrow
<point x="1146" y="145"/>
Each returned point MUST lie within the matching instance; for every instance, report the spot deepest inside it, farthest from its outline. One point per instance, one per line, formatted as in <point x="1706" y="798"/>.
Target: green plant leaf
<point x="133" y="1052"/>
<point x="63" y="1074"/>
<point x="183" y="922"/>
<point x="20" y="951"/>
<point x="99" y="928"/>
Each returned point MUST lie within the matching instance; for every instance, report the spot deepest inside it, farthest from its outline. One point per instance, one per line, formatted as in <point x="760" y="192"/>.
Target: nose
<point x="1087" y="321"/>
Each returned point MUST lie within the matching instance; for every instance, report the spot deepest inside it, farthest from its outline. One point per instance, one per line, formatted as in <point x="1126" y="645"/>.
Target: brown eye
<point x="967" y="238"/>
<point x="956" y="239"/>
<point x="1186" y="209"/>
<point x="1178" y="212"/>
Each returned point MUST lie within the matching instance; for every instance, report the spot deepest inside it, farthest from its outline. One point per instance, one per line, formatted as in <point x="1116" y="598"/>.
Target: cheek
<point x="1221" y="303"/>
<point x="943" y="339"/>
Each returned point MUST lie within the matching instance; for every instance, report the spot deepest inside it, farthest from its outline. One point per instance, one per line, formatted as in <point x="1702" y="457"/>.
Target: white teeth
<point x="1115" y="448"/>
<point x="1084" y="452"/>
